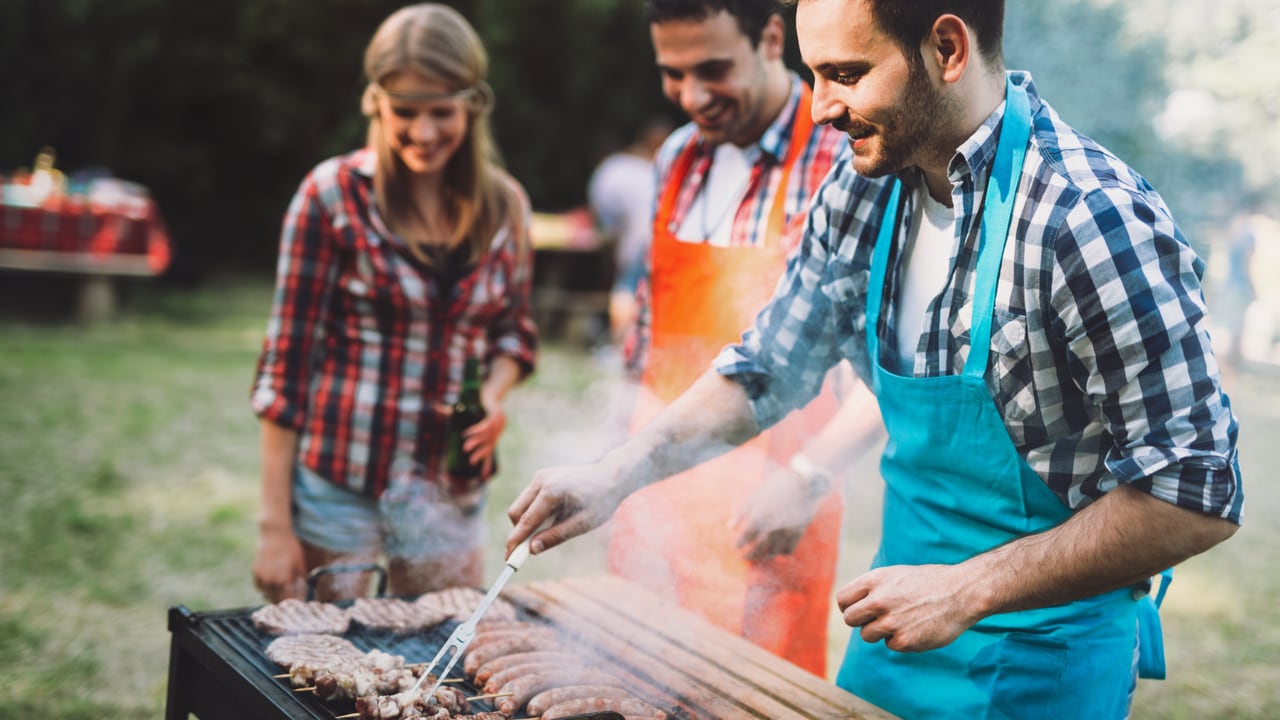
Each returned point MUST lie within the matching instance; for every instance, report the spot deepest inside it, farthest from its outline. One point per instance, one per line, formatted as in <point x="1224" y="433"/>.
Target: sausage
<point x="629" y="707"/>
<point x="477" y="656"/>
<point x="486" y="635"/>
<point x="547" y="698"/>
<point x="523" y="688"/>
<point x="545" y="658"/>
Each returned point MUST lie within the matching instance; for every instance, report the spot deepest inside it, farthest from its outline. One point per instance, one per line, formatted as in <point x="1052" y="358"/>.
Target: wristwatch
<point x="817" y="480"/>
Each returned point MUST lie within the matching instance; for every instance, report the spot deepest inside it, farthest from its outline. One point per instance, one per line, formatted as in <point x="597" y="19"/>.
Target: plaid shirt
<point x="752" y="216"/>
<point x="1100" y="362"/>
<point x="363" y="355"/>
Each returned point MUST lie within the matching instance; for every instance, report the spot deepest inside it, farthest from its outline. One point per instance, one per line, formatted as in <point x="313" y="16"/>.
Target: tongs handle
<point x="519" y="554"/>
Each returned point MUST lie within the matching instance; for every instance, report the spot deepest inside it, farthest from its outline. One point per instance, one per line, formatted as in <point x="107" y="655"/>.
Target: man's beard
<point x="910" y="133"/>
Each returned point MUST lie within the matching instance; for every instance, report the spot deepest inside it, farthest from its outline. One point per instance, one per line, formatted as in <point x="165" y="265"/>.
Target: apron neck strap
<point x="997" y="212"/>
<point x="801" y="131"/>
<point x="879" y="266"/>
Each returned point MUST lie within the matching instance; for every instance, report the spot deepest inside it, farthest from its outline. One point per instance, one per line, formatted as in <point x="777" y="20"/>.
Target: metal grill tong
<point x="462" y="635"/>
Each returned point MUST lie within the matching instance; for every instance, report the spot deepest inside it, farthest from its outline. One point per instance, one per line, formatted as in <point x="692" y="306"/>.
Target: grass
<point x="128" y="465"/>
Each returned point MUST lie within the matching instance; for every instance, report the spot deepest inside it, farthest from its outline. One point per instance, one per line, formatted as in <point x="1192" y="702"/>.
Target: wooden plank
<point x="685" y="629"/>
<point x="717" y="674"/>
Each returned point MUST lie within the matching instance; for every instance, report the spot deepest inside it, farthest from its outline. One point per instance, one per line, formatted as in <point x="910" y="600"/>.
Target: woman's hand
<point x="480" y="441"/>
<point x="279" y="571"/>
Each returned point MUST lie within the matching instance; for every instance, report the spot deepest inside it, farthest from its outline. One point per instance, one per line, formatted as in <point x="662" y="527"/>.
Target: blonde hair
<point x="438" y="43"/>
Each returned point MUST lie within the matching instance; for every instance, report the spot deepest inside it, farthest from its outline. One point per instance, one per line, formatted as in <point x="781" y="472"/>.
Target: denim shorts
<point x="412" y="522"/>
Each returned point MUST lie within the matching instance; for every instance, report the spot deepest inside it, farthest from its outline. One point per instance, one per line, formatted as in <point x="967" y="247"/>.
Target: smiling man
<point x="733" y="187"/>
<point x="1032" y="323"/>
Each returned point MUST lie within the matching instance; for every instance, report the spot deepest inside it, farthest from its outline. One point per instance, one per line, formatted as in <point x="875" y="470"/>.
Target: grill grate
<point x="236" y="629"/>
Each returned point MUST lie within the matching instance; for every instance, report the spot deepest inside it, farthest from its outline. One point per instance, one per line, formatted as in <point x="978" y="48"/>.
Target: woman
<point x="397" y="263"/>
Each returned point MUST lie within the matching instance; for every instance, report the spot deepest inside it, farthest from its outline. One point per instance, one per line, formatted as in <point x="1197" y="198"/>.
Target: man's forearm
<point x="710" y="418"/>
<point x="1121" y="539"/>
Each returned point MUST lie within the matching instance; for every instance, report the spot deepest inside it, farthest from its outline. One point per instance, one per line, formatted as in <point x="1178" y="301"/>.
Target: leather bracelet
<point x="816" y="478"/>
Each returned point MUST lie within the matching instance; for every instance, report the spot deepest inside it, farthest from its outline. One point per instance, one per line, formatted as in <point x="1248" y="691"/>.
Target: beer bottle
<point x="466" y="412"/>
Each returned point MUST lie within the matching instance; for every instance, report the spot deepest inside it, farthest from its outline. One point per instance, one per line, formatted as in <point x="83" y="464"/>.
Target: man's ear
<point x="773" y="38"/>
<point x="949" y="47"/>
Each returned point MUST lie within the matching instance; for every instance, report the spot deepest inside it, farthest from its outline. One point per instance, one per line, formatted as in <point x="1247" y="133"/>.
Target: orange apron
<point x="673" y="537"/>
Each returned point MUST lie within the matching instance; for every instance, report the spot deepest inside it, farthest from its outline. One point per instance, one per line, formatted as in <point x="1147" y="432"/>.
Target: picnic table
<point x="573" y="272"/>
<point x="97" y="241"/>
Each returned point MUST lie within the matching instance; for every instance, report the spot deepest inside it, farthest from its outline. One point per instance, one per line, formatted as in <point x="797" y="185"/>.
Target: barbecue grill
<point x="218" y="668"/>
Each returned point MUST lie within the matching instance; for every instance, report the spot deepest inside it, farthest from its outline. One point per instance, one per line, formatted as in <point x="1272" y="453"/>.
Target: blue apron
<point x="955" y="486"/>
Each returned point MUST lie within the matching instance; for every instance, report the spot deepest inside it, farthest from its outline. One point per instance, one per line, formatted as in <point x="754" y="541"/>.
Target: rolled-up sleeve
<point x="305" y="275"/>
<point x="784" y="356"/>
<point x="1129" y="303"/>
<point x="513" y="332"/>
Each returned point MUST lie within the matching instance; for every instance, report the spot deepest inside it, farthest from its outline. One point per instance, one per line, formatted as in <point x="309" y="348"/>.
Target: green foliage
<point x="221" y="108"/>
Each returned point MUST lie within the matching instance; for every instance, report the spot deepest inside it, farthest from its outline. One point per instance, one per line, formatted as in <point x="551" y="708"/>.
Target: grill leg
<point x="179" y="694"/>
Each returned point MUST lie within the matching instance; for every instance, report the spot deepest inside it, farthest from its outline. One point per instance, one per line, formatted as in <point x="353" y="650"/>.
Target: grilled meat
<point x="629" y="708"/>
<point x="397" y="615"/>
<point x="549" y="698"/>
<point x="459" y="602"/>
<point x="293" y="617"/>
<point x="289" y="650"/>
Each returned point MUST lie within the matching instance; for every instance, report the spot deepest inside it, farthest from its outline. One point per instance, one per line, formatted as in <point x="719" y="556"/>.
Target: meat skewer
<point x="445" y="704"/>
<point x="302" y="673"/>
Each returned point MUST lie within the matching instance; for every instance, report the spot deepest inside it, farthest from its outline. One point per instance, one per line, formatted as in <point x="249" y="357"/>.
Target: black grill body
<point x="219" y="670"/>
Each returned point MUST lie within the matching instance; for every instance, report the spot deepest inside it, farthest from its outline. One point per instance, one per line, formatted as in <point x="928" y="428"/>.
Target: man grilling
<point x="1057" y="429"/>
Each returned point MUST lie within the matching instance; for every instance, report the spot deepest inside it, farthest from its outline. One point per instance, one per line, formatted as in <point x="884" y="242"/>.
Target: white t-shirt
<point x="925" y="262"/>
<point x="710" y="217"/>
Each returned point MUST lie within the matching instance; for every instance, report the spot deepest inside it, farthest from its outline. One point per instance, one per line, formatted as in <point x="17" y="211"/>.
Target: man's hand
<point x="570" y="500"/>
<point x="911" y="607"/>
<point x="278" y="568"/>
<point x="775" y="517"/>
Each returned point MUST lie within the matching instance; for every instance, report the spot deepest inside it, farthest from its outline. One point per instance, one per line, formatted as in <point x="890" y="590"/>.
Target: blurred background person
<point x="620" y="194"/>
<point x="1238" y="292"/>
<point x="398" y="263"/>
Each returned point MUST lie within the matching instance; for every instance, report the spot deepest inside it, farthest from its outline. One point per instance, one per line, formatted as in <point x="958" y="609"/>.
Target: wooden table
<point x="676" y="657"/>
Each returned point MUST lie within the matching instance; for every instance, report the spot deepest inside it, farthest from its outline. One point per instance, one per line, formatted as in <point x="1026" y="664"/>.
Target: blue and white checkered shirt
<point x="1100" y="364"/>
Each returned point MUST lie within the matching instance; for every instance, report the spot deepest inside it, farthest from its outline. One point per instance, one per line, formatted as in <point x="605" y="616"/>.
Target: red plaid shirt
<point x="363" y="355"/>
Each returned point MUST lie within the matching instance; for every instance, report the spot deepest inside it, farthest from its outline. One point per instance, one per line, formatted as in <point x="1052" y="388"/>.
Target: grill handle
<point x="323" y="570"/>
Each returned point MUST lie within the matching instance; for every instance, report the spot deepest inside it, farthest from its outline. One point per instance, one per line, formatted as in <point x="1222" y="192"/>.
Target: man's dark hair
<point x="751" y="15"/>
<point x="907" y="23"/>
